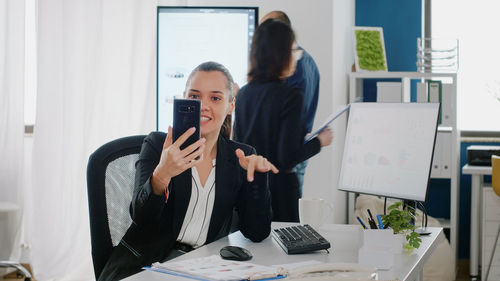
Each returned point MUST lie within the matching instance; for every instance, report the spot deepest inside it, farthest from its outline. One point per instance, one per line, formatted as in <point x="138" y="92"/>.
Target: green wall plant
<point x="370" y="50"/>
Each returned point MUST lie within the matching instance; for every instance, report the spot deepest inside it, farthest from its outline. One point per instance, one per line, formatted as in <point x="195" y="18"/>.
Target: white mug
<point x="312" y="211"/>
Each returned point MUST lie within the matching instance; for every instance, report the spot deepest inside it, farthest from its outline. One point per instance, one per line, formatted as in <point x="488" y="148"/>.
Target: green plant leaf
<point x="399" y="221"/>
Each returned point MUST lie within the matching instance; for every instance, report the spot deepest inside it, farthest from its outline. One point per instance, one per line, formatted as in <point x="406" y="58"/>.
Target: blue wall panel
<point x="402" y="25"/>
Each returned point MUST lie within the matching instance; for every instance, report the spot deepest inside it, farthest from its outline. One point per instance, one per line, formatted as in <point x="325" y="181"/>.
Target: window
<point x="475" y="24"/>
<point x="30" y="65"/>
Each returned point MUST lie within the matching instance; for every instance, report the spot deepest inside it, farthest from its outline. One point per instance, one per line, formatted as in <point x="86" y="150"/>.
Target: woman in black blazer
<point x="181" y="202"/>
<point x="268" y="115"/>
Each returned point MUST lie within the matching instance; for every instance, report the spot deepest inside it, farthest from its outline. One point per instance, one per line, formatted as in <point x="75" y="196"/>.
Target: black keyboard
<point x="299" y="239"/>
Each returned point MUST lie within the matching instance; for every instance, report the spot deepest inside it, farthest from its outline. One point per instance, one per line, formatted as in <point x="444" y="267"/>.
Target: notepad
<point x="327" y="122"/>
<point x="215" y="268"/>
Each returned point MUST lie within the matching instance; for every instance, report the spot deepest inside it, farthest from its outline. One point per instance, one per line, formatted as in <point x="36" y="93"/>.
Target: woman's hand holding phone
<point x="253" y="163"/>
<point x="174" y="161"/>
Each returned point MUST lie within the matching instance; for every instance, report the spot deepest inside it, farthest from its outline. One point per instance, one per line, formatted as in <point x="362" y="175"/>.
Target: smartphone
<point x="186" y="115"/>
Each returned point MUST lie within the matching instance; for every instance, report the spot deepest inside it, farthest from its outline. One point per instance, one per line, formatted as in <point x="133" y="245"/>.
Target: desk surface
<point x="476" y="170"/>
<point x="345" y="240"/>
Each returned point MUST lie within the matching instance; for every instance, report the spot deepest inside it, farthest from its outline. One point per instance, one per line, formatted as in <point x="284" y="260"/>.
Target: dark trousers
<point x="300" y="170"/>
<point x="285" y="196"/>
<point x="122" y="263"/>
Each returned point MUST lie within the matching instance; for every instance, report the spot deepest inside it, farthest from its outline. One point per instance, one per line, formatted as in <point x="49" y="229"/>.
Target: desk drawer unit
<point x="491" y="224"/>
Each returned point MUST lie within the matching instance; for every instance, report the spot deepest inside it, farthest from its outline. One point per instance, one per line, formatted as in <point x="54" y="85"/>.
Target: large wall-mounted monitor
<point x="188" y="36"/>
<point x="388" y="149"/>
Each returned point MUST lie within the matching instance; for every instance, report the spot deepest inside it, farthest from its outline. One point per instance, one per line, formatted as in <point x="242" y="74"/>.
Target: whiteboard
<point x="388" y="149"/>
<point x="189" y="36"/>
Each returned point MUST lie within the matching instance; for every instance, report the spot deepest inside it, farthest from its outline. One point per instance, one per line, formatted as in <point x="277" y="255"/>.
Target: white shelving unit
<point x="446" y="158"/>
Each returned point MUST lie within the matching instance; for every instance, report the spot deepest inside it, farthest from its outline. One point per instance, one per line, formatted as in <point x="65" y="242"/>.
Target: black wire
<point x="385" y="204"/>
<point x="424" y="211"/>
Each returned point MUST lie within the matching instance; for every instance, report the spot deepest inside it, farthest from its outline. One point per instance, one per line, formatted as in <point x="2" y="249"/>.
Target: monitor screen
<point x="388" y="149"/>
<point x="188" y="36"/>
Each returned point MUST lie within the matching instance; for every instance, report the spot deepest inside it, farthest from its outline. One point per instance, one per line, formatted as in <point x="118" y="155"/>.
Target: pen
<point x="372" y="223"/>
<point x="380" y="224"/>
<point x="361" y="222"/>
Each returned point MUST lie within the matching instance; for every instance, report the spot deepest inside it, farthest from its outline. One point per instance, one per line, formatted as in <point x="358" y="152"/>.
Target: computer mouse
<point x="235" y="253"/>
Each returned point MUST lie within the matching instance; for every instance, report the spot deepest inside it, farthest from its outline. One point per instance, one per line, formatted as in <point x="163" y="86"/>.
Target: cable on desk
<point x="385" y="205"/>
<point x="424" y="212"/>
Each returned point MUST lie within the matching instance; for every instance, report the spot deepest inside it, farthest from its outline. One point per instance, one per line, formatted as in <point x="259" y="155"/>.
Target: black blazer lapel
<point x="226" y="188"/>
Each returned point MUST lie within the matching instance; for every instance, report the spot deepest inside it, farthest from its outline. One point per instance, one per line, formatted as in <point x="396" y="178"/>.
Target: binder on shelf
<point x="446" y="115"/>
<point x="447" y="106"/>
<point x="389" y="92"/>
<point x="434" y="94"/>
<point x="421" y="92"/>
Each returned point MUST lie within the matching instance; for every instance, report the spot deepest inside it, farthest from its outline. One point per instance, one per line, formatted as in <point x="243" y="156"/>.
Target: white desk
<point x="477" y="173"/>
<point x="345" y="241"/>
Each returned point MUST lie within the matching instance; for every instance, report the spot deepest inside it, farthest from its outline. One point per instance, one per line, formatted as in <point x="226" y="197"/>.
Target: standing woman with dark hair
<point x="268" y="115"/>
<point x="184" y="198"/>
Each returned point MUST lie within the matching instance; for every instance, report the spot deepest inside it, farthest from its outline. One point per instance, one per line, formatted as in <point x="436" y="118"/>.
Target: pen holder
<point x="379" y="248"/>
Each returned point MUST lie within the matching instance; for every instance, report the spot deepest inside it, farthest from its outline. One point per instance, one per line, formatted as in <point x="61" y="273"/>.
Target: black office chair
<point x="110" y="185"/>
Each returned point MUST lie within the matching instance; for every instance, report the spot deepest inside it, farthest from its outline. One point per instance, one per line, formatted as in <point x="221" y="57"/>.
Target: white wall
<point x="343" y="58"/>
<point x="323" y="29"/>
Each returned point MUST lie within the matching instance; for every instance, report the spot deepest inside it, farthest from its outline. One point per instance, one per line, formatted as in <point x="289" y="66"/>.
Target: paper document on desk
<point x="215" y="268"/>
<point x="327" y="122"/>
<point x="315" y="270"/>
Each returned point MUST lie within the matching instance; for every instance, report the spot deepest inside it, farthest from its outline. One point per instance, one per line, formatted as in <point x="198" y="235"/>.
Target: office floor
<point x="463" y="271"/>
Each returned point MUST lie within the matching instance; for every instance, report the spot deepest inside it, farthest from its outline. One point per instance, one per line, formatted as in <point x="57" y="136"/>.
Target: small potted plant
<point x="400" y="221"/>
